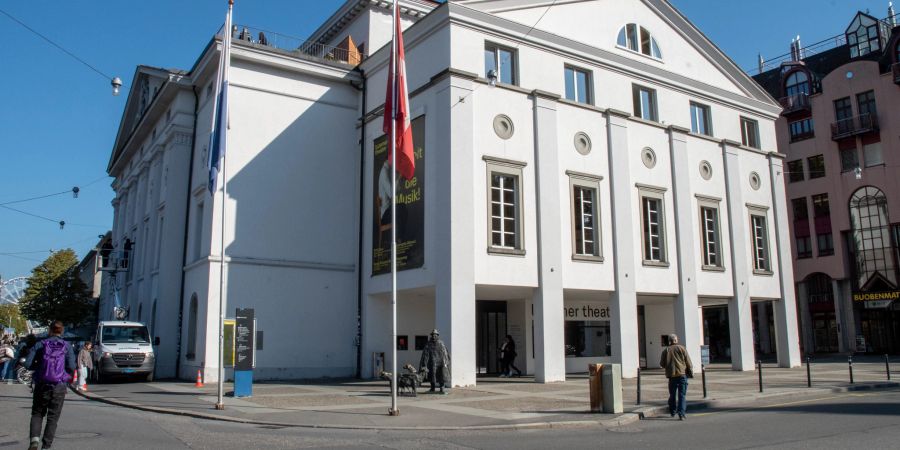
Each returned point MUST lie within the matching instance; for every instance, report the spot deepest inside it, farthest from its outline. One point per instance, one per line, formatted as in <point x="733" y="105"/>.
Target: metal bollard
<point x="808" y="373"/>
<point x="850" y="365"/>
<point x="703" y="378"/>
<point x="639" y="386"/>
<point x="887" y="366"/>
<point x="759" y="369"/>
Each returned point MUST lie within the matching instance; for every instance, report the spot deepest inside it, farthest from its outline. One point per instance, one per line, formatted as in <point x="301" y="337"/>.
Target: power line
<point x="32" y="215"/>
<point x="37" y="33"/>
<point x="35" y="198"/>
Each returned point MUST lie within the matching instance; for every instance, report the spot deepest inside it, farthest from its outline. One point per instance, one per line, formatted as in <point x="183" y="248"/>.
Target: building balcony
<point x="346" y="52"/>
<point x="795" y="103"/>
<point x="896" y="70"/>
<point x="852" y="126"/>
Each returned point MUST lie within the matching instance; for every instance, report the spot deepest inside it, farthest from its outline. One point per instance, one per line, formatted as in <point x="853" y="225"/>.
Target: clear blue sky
<point x="58" y="119"/>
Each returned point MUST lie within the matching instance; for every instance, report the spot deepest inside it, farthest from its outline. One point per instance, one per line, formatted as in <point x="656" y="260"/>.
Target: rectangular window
<point x="801" y="129"/>
<point x="578" y="85"/>
<point x="849" y="159"/>
<point x="795" y="171"/>
<point x="502" y="61"/>
<point x="865" y="103"/>
<point x="872" y="154"/>
<point x="826" y="244"/>
<point x="822" y="213"/>
<point x="843" y="109"/>
<point x="645" y="103"/>
<point x="585" y="217"/>
<point x="804" y="247"/>
<point x="801" y="212"/>
<point x="750" y="133"/>
<point x="654" y="229"/>
<point x="587" y="339"/>
<point x="712" y="247"/>
<point x="821" y="206"/>
<point x="701" y="123"/>
<point x="759" y="228"/>
<point x="816" y="166"/>
<point x="504" y="206"/>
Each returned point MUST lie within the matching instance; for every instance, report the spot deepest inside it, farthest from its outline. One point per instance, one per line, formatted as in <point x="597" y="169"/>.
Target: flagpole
<point x="395" y="411"/>
<point x="226" y="50"/>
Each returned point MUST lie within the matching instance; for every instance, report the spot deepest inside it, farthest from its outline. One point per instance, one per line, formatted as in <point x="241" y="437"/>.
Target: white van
<point x="123" y="348"/>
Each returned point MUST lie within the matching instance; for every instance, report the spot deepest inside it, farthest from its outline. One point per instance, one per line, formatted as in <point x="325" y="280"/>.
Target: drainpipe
<point x="187" y="211"/>
<point x="362" y="221"/>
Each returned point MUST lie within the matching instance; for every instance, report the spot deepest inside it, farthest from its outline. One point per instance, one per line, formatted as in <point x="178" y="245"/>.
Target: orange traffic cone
<point x="199" y="382"/>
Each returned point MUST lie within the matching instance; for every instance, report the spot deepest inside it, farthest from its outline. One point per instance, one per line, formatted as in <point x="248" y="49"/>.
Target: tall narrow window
<point x="505" y="206"/>
<point x="795" y="171"/>
<point x="578" y="85"/>
<point x="822" y="213"/>
<point x="712" y="253"/>
<point x="645" y="103"/>
<point x="816" y="166"/>
<point x="750" y="133"/>
<point x="872" y="154"/>
<point x="502" y="61"/>
<point x="654" y="228"/>
<point x="865" y="103"/>
<point x="760" y="232"/>
<point x="701" y="123"/>
<point x="801" y="228"/>
<point x="585" y="216"/>
<point x="843" y="115"/>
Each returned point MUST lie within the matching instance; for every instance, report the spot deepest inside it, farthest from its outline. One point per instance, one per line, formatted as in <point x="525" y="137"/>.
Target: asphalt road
<point x="869" y="420"/>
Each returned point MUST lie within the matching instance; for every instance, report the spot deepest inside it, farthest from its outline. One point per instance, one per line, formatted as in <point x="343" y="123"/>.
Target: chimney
<point x="761" y="62"/>
<point x="892" y="16"/>
<point x="799" y="49"/>
<point x="795" y="50"/>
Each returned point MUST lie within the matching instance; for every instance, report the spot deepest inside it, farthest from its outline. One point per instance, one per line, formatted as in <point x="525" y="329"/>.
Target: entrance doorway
<point x="716" y="333"/>
<point x="490" y="325"/>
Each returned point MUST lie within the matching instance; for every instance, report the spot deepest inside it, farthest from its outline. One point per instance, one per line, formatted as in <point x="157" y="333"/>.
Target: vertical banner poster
<point x="410" y="207"/>
<point x="243" y="339"/>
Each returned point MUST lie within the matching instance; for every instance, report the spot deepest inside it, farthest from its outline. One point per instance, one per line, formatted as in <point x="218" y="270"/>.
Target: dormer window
<point x="637" y="39"/>
<point x="797" y="83"/>
<point x="864" y="35"/>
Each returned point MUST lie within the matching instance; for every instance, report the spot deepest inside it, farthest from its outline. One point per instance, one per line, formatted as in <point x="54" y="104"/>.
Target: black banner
<point x="410" y="208"/>
<point x="243" y="339"/>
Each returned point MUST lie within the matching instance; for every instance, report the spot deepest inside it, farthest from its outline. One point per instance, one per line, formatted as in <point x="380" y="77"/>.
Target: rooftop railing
<point x="344" y="53"/>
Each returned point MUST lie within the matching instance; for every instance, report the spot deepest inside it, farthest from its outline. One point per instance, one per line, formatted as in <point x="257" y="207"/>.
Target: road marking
<point x="798" y="402"/>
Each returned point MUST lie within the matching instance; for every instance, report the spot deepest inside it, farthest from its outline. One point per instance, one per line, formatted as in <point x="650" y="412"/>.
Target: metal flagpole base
<point x="393" y="412"/>
<point x="220" y="406"/>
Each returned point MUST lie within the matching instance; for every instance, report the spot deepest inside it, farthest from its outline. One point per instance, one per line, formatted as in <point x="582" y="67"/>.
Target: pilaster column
<point x="740" y="319"/>
<point x="839" y="316"/>
<point x="623" y="302"/>
<point x="805" y="318"/>
<point x="785" y="310"/>
<point x="549" y="323"/>
<point x="687" y="323"/>
<point x="454" y="307"/>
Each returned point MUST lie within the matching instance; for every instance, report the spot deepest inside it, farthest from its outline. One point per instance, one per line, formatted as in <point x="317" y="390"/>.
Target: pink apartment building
<point x="840" y="130"/>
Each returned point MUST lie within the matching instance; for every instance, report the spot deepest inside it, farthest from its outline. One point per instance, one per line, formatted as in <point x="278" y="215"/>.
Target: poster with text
<point x="410" y="221"/>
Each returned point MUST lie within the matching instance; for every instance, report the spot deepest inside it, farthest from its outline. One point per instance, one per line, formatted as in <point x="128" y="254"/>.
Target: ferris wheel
<point x="12" y="290"/>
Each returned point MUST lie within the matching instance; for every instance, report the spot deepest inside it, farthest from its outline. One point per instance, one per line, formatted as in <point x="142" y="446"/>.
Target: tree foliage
<point x="55" y="292"/>
<point x="10" y="317"/>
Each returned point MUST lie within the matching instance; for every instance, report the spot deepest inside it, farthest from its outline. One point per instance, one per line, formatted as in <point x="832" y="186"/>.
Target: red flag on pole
<point x="406" y="162"/>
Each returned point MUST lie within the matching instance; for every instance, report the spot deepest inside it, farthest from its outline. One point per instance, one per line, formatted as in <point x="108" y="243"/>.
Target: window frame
<point x="496" y="48"/>
<point x="639" y="39"/>
<point x="792" y="85"/>
<point x="814" y="174"/>
<point x="588" y="82"/>
<point x="514" y="169"/>
<point x="656" y="194"/>
<point x="586" y="181"/>
<point x="760" y="245"/>
<point x="711" y="204"/>
<point x="866" y="103"/>
<point x="707" y="119"/>
<point x="794" y="175"/>
<point x="804" y="130"/>
<point x="847" y="151"/>
<point x="746" y="135"/>
<point x="638" y="102"/>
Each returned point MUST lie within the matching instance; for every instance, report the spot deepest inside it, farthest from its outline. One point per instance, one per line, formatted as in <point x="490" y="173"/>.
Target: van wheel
<point x="150" y="377"/>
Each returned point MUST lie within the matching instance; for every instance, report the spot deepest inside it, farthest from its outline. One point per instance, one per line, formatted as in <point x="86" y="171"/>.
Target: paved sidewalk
<point x="494" y="403"/>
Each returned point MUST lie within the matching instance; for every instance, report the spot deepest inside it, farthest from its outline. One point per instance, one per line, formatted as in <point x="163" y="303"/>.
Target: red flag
<point x="406" y="162"/>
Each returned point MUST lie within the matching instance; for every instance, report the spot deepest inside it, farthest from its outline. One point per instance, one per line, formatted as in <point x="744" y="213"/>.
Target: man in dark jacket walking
<point x="677" y="362"/>
<point x="53" y="362"/>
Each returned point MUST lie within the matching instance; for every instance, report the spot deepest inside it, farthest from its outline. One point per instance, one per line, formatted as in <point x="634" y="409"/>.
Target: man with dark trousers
<point x="53" y="362"/>
<point x="677" y="362"/>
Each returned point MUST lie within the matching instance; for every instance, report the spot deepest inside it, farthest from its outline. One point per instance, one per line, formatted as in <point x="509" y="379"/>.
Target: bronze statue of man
<point x="436" y="359"/>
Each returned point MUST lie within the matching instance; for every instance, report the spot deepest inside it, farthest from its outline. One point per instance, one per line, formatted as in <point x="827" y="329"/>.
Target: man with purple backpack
<point x="53" y="362"/>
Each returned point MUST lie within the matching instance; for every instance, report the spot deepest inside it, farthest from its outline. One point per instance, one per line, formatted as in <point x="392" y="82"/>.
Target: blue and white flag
<point x="218" y="136"/>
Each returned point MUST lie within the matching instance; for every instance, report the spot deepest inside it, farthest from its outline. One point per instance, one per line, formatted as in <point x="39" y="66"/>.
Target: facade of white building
<point x="591" y="175"/>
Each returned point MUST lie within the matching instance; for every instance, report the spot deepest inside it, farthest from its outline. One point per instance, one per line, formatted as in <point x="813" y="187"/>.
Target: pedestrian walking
<point x="437" y="360"/>
<point x="677" y="362"/>
<point x="85" y="364"/>
<point x="7" y="358"/>
<point x="52" y="361"/>
<point x="508" y="357"/>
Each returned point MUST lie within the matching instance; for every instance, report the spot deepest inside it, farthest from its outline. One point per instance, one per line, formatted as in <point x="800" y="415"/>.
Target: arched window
<point x="637" y="39"/>
<point x="871" y="240"/>
<point x="192" y="329"/>
<point x="797" y="83"/>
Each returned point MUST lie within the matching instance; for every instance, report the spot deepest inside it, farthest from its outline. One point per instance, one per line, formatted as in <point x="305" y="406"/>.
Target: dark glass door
<point x="490" y="324"/>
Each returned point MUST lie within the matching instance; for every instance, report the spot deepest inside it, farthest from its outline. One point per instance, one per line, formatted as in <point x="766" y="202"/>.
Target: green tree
<point x="55" y="292"/>
<point x="10" y="317"/>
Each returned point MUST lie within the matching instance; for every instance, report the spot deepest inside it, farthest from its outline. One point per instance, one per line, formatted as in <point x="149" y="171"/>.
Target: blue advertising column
<point x="244" y="347"/>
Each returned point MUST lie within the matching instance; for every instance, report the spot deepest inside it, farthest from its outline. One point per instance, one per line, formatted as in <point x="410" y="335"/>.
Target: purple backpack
<point x="52" y="368"/>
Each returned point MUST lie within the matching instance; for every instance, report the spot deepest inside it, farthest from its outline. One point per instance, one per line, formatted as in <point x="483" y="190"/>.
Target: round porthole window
<point x="706" y="170"/>
<point x="648" y="156"/>
<point x="755" y="181"/>
<point x="503" y="126"/>
<point x="582" y="143"/>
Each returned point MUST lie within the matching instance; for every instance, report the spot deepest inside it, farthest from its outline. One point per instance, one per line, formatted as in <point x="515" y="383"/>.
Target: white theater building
<point x="591" y="175"/>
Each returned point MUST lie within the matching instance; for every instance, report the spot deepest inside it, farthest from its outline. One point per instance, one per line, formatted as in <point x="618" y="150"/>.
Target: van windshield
<point x="125" y="335"/>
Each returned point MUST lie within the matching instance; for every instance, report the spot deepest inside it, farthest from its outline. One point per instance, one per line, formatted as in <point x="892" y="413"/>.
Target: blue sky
<point x="58" y="119"/>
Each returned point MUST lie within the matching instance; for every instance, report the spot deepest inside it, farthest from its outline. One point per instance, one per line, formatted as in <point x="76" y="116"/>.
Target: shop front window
<point x="870" y="240"/>
<point x="588" y="339"/>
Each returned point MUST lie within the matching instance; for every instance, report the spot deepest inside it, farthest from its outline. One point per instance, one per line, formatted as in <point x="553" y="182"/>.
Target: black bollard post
<point x="808" y="374"/>
<point x="639" y="386"/>
<point x="759" y="369"/>
<point x="850" y="365"/>
<point x="887" y="366"/>
<point x="703" y="378"/>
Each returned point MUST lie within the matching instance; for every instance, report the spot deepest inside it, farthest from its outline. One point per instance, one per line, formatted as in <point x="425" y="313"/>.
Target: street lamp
<point x="858" y="173"/>
<point x="116" y="84"/>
